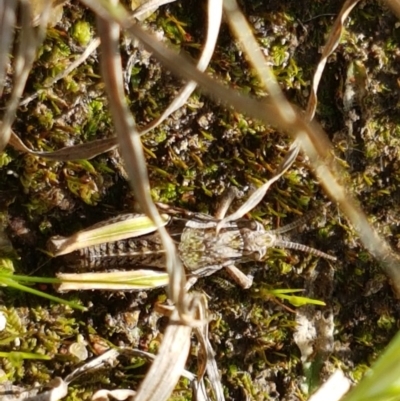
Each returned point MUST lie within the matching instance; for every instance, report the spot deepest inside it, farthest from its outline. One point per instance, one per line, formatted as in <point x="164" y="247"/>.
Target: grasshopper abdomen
<point x="145" y="251"/>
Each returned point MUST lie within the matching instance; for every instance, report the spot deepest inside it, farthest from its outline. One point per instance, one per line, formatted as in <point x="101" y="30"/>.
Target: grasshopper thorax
<point x="203" y="251"/>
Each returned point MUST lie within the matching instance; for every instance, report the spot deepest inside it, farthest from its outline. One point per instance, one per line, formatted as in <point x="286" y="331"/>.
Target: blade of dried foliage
<point x="7" y="23"/>
<point x="78" y="152"/>
<point x="29" y="40"/>
<point x="107" y="357"/>
<point x="213" y="25"/>
<point x="91" y="47"/>
<point x="132" y="153"/>
<point x="333" y="389"/>
<point x="124" y="226"/>
<point x="163" y="375"/>
<point x="259" y="194"/>
<point x="206" y="359"/>
<point x="330" y="46"/>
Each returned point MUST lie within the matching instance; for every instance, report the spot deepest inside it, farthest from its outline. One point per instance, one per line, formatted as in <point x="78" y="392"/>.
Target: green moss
<point x="81" y="31"/>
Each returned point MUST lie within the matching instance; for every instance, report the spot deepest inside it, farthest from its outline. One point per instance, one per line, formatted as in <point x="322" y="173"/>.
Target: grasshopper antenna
<point x="300" y="247"/>
<point x="296" y="223"/>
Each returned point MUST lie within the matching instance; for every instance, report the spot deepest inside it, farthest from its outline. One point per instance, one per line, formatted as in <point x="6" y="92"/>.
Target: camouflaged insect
<point x="205" y="244"/>
<point x="202" y="248"/>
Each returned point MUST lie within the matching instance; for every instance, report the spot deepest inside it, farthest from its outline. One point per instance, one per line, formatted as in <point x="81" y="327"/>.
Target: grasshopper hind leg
<point x="239" y="277"/>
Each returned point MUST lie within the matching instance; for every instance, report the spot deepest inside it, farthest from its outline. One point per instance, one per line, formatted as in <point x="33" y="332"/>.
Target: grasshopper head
<point x="256" y="242"/>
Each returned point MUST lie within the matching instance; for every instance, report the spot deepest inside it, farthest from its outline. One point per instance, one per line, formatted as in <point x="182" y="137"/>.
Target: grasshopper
<point x="204" y="246"/>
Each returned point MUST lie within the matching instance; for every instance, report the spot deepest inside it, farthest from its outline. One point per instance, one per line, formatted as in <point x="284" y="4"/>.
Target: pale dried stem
<point x="82" y="151"/>
<point x="330" y="46"/>
<point x="132" y="152"/>
<point x="394" y="6"/>
<point x="29" y="41"/>
<point x="7" y="23"/>
<point x="91" y="47"/>
<point x="214" y="23"/>
<point x="166" y="369"/>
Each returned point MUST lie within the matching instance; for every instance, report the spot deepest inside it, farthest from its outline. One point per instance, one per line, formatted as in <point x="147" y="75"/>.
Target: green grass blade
<point x="382" y="382"/>
<point x="15" y="355"/>
<point x="10" y="282"/>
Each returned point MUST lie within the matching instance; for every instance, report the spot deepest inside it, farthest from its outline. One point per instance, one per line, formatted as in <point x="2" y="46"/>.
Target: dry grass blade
<point x="206" y="358"/>
<point x="164" y="374"/>
<point x="259" y="194"/>
<point x="29" y="40"/>
<point x="78" y="152"/>
<point x="107" y="357"/>
<point x="148" y="7"/>
<point x="7" y="22"/>
<point x="88" y="51"/>
<point x="132" y="152"/>
<point x="329" y="48"/>
<point x="395" y="6"/>
<point x="333" y="389"/>
<point x="214" y="23"/>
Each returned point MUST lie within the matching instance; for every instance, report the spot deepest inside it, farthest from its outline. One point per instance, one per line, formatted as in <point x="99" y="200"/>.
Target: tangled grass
<point x="189" y="160"/>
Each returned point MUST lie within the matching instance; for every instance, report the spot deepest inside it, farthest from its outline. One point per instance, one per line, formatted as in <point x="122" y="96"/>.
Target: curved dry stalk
<point x="77" y="152"/>
<point x="130" y="280"/>
<point x="206" y="357"/>
<point x="330" y="46"/>
<point x="164" y="374"/>
<point x="7" y="23"/>
<point x="214" y="23"/>
<point x="132" y="152"/>
<point x="91" y="47"/>
<point x="259" y="194"/>
<point x="29" y="41"/>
